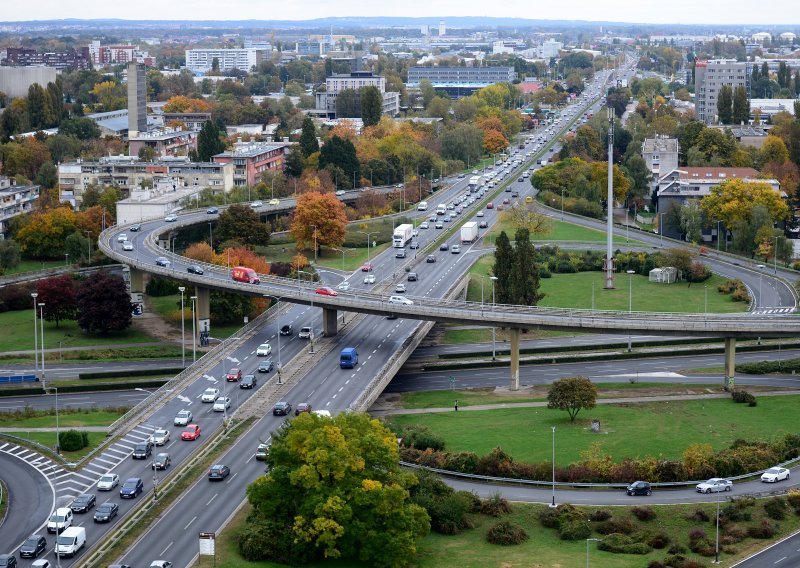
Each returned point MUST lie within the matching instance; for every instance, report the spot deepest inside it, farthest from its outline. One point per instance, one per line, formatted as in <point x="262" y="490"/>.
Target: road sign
<point x="207" y="543"/>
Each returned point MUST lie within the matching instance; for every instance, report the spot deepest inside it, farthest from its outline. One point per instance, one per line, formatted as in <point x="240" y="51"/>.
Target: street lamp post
<point x="588" y="540"/>
<point x="34" y="295"/>
<point x="775" y="255"/>
<point x="705" y="298"/>
<point x="716" y="546"/>
<point x="315" y="243"/>
<point x="760" y="281"/>
<point x="553" y="504"/>
<point x="58" y="431"/>
<point x="89" y="240"/>
<point x="280" y="365"/>
<point x="210" y="236"/>
<point x="182" y="289"/>
<point x="41" y="327"/>
<point x="494" y="328"/>
<point x="194" y="333"/>
<point x="630" y="299"/>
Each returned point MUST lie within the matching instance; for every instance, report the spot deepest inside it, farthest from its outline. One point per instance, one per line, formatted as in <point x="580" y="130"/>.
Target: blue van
<point x="348" y="358"/>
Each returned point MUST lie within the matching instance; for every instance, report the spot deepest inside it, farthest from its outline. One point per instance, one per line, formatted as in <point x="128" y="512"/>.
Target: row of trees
<point x="733" y="106"/>
<point x="516" y="270"/>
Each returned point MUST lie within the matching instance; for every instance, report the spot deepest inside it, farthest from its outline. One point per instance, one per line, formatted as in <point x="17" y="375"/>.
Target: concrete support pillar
<point x="730" y="362"/>
<point x="329" y="322"/>
<point x="203" y="311"/>
<point x="137" y="291"/>
<point x="514" y="359"/>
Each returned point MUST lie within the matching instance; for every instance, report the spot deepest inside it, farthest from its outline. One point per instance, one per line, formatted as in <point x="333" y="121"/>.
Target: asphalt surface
<point x="30" y="498"/>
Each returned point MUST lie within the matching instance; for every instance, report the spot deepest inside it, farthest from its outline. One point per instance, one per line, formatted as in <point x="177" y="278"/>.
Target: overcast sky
<point x="705" y="12"/>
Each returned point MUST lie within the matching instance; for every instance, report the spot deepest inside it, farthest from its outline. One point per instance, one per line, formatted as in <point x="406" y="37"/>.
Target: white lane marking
<point x="167" y="548"/>
<point x="232" y="476"/>
<point x="190" y="522"/>
<point x="210" y="500"/>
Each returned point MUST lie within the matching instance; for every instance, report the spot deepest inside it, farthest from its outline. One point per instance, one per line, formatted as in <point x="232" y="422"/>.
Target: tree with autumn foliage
<point x="494" y="142"/>
<point x="104" y="304"/>
<point x="733" y="200"/>
<point x="181" y="103"/>
<point x="322" y="213"/>
<point x="44" y="233"/>
<point x="59" y="296"/>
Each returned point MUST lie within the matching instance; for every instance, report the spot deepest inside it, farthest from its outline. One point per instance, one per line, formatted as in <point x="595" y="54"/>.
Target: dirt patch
<point x="152" y="324"/>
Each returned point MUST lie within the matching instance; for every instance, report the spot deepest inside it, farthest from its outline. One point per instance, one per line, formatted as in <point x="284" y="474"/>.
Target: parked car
<point x="33" y="546"/>
<point x="106" y="512"/>
<point x="714" y="485"/>
<point x="305" y="333"/>
<point x="82" y="503"/>
<point x="209" y="395"/>
<point x="302" y="407"/>
<point x="108" y="482"/>
<point x="218" y="472"/>
<point x="248" y="382"/>
<point x="131" y="488"/>
<point x="182" y="418"/>
<point x="161" y="461"/>
<point x="222" y="404"/>
<point x="286" y="329"/>
<point x="191" y="433"/>
<point x="264" y="350"/>
<point x="265" y="366"/>
<point x="775" y="474"/>
<point x="326" y="291"/>
<point x="160" y="437"/>
<point x="639" y="488"/>
<point x="281" y="409"/>
<point x="194" y="269"/>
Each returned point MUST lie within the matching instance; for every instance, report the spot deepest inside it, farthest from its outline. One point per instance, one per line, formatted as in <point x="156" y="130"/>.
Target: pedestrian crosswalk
<point x="772" y="311"/>
<point x="70" y="484"/>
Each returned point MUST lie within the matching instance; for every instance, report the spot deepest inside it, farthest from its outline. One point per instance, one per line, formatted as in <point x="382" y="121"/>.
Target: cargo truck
<point x="469" y="232"/>
<point x="244" y="274"/>
<point x="474" y="183"/>
<point x="402" y="234"/>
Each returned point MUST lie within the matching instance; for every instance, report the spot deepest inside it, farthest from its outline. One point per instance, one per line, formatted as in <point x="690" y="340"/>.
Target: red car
<point x="366" y="267"/>
<point x="192" y="432"/>
<point x="506" y="201"/>
<point x="490" y="206"/>
<point x="325" y="291"/>
<point x="234" y="374"/>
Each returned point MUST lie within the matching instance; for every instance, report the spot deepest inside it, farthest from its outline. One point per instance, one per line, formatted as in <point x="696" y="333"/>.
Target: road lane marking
<point x="210" y="500"/>
<point x="190" y="522"/>
<point x="232" y="476"/>
<point x="167" y="548"/>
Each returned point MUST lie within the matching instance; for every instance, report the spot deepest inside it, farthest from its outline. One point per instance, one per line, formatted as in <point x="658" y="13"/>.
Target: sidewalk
<point x="63" y="429"/>
<point x="375" y="411"/>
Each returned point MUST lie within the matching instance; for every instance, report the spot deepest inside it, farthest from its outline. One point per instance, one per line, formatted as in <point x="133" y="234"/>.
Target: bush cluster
<point x="73" y="440"/>
<point x="765" y="367"/>
<point x="506" y="533"/>
<point x="643" y="513"/>
<point x="614" y="525"/>
<point x="741" y="458"/>
<point x="623" y="544"/>
<point x="158" y="286"/>
<point x="775" y="508"/>
<point x="736" y="289"/>
<point x="763" y="530"/>
<point x="418" y="436"/>
<point x="570" y="522"/>
<point x="743" y="397"/>
<point x="447" y="508"/>
<point x="495" y="506"/>
<point x="700" y="543"/>
<point x="16" y="297"/>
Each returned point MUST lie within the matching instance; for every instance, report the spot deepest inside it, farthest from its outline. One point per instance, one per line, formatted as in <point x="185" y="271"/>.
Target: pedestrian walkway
<point x="376" y="411"/>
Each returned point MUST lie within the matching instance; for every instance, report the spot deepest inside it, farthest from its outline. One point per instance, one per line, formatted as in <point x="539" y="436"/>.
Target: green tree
<point x="209" y="142"/>
<point x="428" y="92"/>
<point x="294" y="163"/>
<point x="240" y="223"/>
<point x="347" y="104"/>
<point x="502" y="269"/>
<point x="334" y="489"/>
<point x="463" y="142"/>
<point x="371" y="105"/>
<point x="38" y="117"/>
<point x="308" y="138"/>
<point x="725" y="104"/>
<point x="741" y="106"/>
<point x="340" y="152"/>
<point x="80" y="128"/>
<point x="9" y="254"/>
<point x="691" y="221"/>
<point x="524" y="271"/>
<point x="47" y="176"/>
<point x="572" y="394"/>
<point x="104" y="304"/>
<point x="636" y="169"/>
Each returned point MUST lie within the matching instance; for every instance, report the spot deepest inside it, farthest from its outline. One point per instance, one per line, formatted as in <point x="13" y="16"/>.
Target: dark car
<point x="161" y="461"/>
<point x="8" y="561"/>
<point x="135" y="228"/>
<point x="444" y="246"/>
<point x="265" y="366"/>
<point x="142" y="450"/>
<point x="218" y="472"/>
<point x="106" y="512"/>
<point x="286" y="330"/>
<point x="281" y="409"/>
<point x="131" y="488"/>
<point x="430" y="258"/>
<point x="412" y="276"/>
<point x="302" y="407"/>
<point x="248" y="382"/>
<point x="414" y="245"/>
<point x="483" y="224"/>
<point x="82" y="503"/>
<point x="212" y="211"/>
<point x="639" y="488"/>
<point x="194" y="269"/>
<point x="33" y="547"/>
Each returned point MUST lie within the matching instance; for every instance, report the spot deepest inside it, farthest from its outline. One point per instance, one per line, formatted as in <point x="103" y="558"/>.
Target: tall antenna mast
<point x="609" y="260"/>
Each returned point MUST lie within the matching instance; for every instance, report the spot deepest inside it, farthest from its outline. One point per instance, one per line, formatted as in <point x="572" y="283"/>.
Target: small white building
<point x="145" y="203"/>
<point x="666" y="275"/>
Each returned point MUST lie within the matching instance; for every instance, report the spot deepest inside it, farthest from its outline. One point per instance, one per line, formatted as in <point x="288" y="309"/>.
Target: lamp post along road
<point x="182" y="289"/>
<point x="553" y="504"/>
<point x="194" y="333"/>
<point x="494" y="328"/>
<point x="41" y="326"/>
<point x="34" y="295"/>
<point x="630" y="299"/>
<point x="588" y="540"/>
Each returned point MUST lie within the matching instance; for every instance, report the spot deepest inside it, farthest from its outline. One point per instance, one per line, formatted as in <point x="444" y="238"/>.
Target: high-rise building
<point x="709" y="77"/>
<point x="244" y="59"/>
<point x="442" y="28"/>
<point x="137" y="99"/>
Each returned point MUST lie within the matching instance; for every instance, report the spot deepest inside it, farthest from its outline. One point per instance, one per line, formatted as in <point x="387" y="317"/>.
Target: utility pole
<point x="609" y="260"/>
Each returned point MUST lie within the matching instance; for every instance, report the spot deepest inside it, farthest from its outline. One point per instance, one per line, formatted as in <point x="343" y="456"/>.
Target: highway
<point x="30" y="495"/>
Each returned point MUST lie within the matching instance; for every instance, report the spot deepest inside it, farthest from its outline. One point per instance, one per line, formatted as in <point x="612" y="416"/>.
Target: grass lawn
<point x="16" y="334"/>
<point x="484" y="335"/>
<point x="329" y="258"/>
<point x="543" y="549"/>
<point x="49" y="439"/>
<point x="34" y="265"/>
<point x="65" y="419"/>
<point x="168" y="307"/>
<point x="575" y="291"/>
<point x="561" y="231"/>
<point x="663" y="429"/>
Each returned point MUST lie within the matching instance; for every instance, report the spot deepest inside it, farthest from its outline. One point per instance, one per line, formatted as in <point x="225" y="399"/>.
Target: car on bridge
<point x="400" y="288"/>
<point x="127" y="245"/>
<point x="400" y="300"/>
<point x="344" y="286"/>
<point x="264" y="350"/>
<point x="194" y="269"/>
<point x="122" y="237"/>
<point x="191" y="433"/>
<point x="257" y="204"/>
<point x="182" y="418"/>
<point x="775" y="474"/>
<point x="275" y="201"/>
<point x="171" y="218"/>
<point x="136" y="228"/>
<point x="326" y="291"/>
<point x="714" y="485"/>
<point x="163" y="261"/>
<point x="212" y="211"/>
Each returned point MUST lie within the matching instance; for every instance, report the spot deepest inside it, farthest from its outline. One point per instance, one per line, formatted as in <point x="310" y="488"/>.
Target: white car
<point x="714" y="485"/>
<point x="122" y="237"/>
<point x="344" y="286"/>
<point x="182" y="418"/>
<point x="424" y="225"/>
<point x="774" y="474"/>
<point x="264" y="350"/>
<point x="479" y="214"/>
<point x="127" y="245"/>
<point x="160" y="437"/>
<point x="222" y="404"/>
<point x="108" y="482"/>
<point x="60" y="520"/>
<point x="400" y="300"/>
<point x="305" y="333"/>
<point x="369" y="279"/>
<point x="171" y="218"/>
<point x="340" y="192"/>
<point x="161" y="564"/>
<point x="209" y="395"/>
<point x="400" y="289"/>
<point x="257" y="204"/>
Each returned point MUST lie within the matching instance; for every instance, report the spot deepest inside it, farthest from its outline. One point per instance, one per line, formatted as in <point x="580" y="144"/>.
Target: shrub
<point x="776" y="508"/>
<point x="449" y="514"/>
<point x="734" y="533"/>
<point x="742" y="396"/>
<point x="644" y="513"/>
<point x="675" y="560"/>
<point x="473" y="500"/>
<point x="495" y="506"/>
<point x="655" y="564"/>
<point x="420" y="437"/>
<point x="612" y="526"/>
<point x="506" y="533"/>
<point x="698" y="272"/>
<point x="600" y="515"/>
<point x="697" y="534"/>
<point x="622" y="544"/>
<point x="740" y="295"/>
<point x="764" y="530"/>
<point x="793" y="497"/>
<point x="699" y="515"/>
<point x="73" y="440"/>
<point x="549" y="518"/>
<point x="691" y="563"/>
<point x="158" y="286"/>
<point x="574" y="529"/>
<point x="658" y="539"/>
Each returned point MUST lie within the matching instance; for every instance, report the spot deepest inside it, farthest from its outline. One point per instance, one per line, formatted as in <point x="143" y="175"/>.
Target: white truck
<point x="474" y="183"/>
<point x="70" y="541"/>
<point x="441" y="209"/>
<point x="469" y="232"/>
<point x="402" y="234"/>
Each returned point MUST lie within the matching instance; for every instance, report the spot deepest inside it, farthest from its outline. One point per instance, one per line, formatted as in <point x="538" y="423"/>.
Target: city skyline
<point x="735" y="12"/>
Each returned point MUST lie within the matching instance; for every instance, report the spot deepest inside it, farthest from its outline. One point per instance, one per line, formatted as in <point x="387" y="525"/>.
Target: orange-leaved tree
<point x="320" y="214"/>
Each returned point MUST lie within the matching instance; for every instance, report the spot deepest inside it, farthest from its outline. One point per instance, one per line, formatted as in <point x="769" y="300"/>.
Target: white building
<point x="550" y="48"/>
<point x="15" y="200"/>
<point x="326" y="101"/>
<point x="710" y="77"/>
<point x="202" y="60"/>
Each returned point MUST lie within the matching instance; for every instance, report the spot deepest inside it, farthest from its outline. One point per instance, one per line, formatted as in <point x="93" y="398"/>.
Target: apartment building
<point x="202" y="60"/>
<point x="326" y="101"/>
<point x="69" y="59"/>
<point x="710" y="77"/>
<point x="102" y="55"/>
<point x="166" y="142"/>
<point x="661" y="156"/>
<point x="191" y="120"/>
<point x="128" y="172"/>
<point x="460" y="81"/>
<point x="15" y="200"/>
<point x="251" y="160"/>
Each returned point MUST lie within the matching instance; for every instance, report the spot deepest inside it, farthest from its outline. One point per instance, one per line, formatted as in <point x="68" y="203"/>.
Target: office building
<point x="326" y="101"/>
<point x="190" y="120"/>
<point x="251" y="160"/>
<point x="442" y="29"/>
<point x="710" y="77"/>
<point x="70" y="59"/>
<point x="102" y="55"/>
<point x="202" y="60"/>
<point x="15" y="200"/>
<point x="460" y="81"/>
<point x="137" y="98"/>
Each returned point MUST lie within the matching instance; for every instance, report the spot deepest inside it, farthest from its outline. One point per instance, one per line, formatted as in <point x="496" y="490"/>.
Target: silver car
<point x="714" y="485"/>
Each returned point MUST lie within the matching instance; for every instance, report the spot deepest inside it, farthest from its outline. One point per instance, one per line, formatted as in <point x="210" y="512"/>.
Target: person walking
<point x="456" y="405"/>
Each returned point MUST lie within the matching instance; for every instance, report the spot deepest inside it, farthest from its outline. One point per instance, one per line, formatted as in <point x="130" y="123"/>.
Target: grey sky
<point x="703" y="12"/>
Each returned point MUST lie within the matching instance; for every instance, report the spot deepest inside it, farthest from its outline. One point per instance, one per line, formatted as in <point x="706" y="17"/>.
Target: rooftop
<point x="251" y="150"/>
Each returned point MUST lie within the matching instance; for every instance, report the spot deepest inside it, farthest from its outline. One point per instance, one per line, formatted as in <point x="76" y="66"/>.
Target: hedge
<point x="170" y="371"/>
<point x="28" y="391"/>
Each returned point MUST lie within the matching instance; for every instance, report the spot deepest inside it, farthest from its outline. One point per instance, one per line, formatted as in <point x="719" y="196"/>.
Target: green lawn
<point x="49" y="439"/>
<point x="16" y="334"/>
<point x="484" y="335"/>
<point x="328" y="258"/>
<point x="169" y="308"/>
<point x="34" y="265"/>
<point x="662" y="429"/>
<point x="576" y="290"/>
<point x="561" y="231"/>
<point x="65" y="419"/>
<point x="543" y="549"/>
